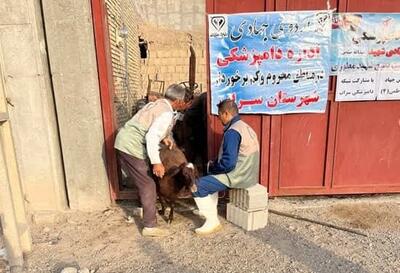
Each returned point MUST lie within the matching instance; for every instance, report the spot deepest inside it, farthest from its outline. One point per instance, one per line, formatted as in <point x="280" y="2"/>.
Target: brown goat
<point x="178" y="180"/>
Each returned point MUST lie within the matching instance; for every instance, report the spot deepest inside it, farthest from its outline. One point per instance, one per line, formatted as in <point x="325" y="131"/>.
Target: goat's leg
<point x="162" y="202"/>
<point x="171" y="212"/>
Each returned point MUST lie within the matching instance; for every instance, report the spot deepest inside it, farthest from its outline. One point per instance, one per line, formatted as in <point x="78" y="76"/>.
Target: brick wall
<point x="176" y="14"/>
<point x="169" y="53"/>
<point x="169" y="26"/>
<point x="125" y="57"/>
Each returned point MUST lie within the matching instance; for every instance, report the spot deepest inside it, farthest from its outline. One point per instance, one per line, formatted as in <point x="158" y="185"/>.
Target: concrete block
<point x="152" y="70"/>
<point x="184" y="75"/>
<point x="177" y="6"/>
<point x="184" y="61"/>
<point x="167" y="61"/>
<point x="201" y="61"/>
<point x="157" y="61"/>
<point x="200" y="20"/>
<point x="152" y="18"/>
<point x="171" y="69"/>
<point x="163" y="54"/>
<point x="174" y="53"/>
<point x="250" y="199"/>
<point x="248" y="220"/>
<point x="232" y="196"/>
<point x="162" y="6"/>
<point x="162" y="19"/>
<point x="164" y="69"/>
<point x="165" y="76"/>
<point x="177" y="18"/>
<point x="202" y="68"/>
<point x="188" y="8"/>
<point x="171" y="61"/>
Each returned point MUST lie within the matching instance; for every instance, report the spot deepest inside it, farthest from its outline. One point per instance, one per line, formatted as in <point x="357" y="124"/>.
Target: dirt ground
<point x="3" y="263"/>
<point x="106" y="242"/>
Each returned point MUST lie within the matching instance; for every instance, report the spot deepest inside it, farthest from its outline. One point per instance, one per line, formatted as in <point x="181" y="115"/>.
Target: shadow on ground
<point x="304" y="251"/>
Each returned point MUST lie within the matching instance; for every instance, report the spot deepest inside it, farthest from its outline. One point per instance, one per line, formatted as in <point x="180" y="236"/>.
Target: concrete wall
<point x="27" y="87"/>
<point x="72" y="56"/>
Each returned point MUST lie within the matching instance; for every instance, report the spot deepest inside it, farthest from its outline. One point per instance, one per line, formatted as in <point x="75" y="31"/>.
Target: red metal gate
<point x="354" y="147"/>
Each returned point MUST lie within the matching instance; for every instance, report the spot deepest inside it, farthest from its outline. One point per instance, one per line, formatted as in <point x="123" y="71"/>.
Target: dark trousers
<point x="141" y="174"/>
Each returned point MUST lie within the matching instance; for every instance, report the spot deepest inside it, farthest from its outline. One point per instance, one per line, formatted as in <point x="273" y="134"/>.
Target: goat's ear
<point x="188" y="170"/>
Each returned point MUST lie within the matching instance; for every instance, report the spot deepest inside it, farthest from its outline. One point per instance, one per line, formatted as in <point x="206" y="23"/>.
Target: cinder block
<point x="260" y="219"/>
<point x="163" y="69"/>
<point x="175" y="53"/>
<point x="163" y="54"/>
<point x="171" y="68"/>
<point x="164" y="61"/>
<point x="231" y="196"/>
<point x="248" y="220"/>
<point x="250" y="199"/>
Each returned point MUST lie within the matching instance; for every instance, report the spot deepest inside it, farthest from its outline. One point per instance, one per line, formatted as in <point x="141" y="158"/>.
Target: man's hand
<point x="168" y="142"/>
<point x="158" y="170"/>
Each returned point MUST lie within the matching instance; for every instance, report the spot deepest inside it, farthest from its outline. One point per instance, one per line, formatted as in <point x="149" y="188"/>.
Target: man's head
<point x="227" y="109"/>
<point x="176" y="95"/>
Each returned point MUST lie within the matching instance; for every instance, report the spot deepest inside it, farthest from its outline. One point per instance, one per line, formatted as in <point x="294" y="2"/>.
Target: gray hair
<point x="175" y="92"/>
<point x="228" y="105"/>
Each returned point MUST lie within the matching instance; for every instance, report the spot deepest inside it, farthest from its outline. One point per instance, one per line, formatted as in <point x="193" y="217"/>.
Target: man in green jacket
<point x="137" y="145"/>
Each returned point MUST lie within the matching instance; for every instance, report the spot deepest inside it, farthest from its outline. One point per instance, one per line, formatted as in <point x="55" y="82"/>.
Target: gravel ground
<point x="106" y="242"/>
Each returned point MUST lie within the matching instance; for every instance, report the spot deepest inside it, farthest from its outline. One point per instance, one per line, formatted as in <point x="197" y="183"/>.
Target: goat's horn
<point x="190" y="165"/>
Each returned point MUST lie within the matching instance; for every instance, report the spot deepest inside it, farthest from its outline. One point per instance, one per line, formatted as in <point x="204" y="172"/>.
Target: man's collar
<point x="233" y="120"/>
<point x="169" y="104"/>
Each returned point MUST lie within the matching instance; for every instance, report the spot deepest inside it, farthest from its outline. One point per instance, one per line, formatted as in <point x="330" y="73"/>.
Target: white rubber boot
<point x="208" y="208"/>
<point x="214" y="197"/>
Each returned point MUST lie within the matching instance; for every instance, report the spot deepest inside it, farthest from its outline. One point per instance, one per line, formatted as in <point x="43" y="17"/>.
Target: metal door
<point x="354" y="147"/>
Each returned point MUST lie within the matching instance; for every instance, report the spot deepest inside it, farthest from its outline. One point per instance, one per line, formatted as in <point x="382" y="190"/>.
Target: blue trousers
<point x="208" y="185"/>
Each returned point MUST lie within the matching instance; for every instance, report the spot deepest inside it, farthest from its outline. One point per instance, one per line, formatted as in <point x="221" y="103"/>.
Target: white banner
<point x="356" y="86"/>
